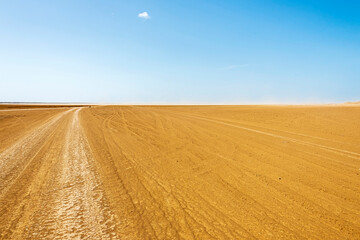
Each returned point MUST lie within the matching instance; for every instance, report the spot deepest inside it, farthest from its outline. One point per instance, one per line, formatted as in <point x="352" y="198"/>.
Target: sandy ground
<point x="180" y="172"/>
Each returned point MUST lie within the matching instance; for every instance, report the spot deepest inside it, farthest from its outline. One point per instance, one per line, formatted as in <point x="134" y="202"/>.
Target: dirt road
<point x="185" y="172"/>
<point x="49" y="188"/>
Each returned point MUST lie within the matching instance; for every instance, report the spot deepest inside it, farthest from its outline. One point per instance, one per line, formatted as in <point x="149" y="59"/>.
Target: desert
<point x="189" y="120"/>
<point x="180" y="172"/>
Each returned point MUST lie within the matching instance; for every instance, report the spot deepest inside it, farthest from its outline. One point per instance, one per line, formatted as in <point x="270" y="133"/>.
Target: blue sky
<point x="201" y="52"/>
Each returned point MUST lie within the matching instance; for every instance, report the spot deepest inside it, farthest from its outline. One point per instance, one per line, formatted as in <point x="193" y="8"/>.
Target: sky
<point x="180" y="51"/>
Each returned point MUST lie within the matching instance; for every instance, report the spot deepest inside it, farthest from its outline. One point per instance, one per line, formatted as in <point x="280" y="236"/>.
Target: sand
<point x="180" y="172"/>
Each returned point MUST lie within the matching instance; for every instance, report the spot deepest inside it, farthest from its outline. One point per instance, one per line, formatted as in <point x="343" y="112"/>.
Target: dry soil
<point x="180" y="172"/>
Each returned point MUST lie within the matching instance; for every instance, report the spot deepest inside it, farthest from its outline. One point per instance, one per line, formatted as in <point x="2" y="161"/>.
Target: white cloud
<point x="144" y="15"/>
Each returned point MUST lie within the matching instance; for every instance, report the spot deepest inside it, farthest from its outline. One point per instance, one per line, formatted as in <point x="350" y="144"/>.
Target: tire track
<point x="16" y="158"/>
<point x="51" y="186"/>
<point x="79" y="208"/>
<point x="346" y="153"/>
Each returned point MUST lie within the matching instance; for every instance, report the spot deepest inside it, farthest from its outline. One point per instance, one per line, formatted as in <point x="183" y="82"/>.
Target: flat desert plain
<point x="180" y="172"/>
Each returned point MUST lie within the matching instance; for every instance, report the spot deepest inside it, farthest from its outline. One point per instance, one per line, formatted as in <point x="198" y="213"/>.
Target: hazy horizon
<point x="180" y="52"/>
